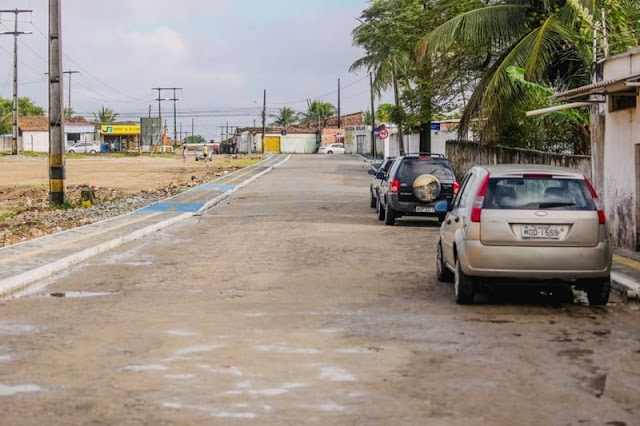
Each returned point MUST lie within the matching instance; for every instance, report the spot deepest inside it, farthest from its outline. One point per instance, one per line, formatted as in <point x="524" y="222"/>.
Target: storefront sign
<point x="108" y="129"/>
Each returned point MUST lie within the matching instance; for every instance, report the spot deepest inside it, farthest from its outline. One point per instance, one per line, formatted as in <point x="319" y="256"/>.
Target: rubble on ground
<point x="28" y="214"/>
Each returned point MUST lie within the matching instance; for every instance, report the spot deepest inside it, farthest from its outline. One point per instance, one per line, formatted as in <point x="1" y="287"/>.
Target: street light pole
<point x="373" y="118"/>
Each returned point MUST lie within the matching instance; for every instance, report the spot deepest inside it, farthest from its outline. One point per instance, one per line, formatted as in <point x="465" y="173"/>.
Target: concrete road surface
<point x="291" y="303"/>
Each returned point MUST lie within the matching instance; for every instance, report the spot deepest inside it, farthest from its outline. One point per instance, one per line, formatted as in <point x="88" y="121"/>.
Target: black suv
<point x="416" y="185"/>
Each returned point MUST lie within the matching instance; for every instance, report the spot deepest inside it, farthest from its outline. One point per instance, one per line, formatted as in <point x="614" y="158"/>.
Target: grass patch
<point x="64" y="206"/>
<point x="7" y="215"/>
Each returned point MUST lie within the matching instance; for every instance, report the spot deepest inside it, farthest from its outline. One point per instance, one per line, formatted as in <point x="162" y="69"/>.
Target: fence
<point x="464" y="155"/>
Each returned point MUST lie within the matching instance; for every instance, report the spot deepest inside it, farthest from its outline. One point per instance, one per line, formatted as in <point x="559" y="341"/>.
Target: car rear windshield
<point x="411" y="168"/>
<point x="534" y="193"/>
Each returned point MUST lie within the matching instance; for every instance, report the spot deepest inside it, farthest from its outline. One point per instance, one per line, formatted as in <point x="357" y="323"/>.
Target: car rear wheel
<point x="464" y="286"/>
<point x="373" y="201"/>
<point x="598" y="291"/>
<point x="329" y="152"/>
<point x="389" y="216"/>
<point x="442" y="272"/>
<point x="380" y="209"/>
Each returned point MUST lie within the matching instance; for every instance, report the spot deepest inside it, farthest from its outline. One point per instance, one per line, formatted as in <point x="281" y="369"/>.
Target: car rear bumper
<point x="409" y="207"/>
<point x="536" y="262"/>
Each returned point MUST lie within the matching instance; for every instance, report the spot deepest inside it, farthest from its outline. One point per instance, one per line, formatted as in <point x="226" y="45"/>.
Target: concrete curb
<point x="624" y="284"/>
<point x="19" y="284"/>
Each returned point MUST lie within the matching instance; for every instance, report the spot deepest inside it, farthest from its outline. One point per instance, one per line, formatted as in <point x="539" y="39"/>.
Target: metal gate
<point x="272" y="143"/>
<point x="360" y="141"/>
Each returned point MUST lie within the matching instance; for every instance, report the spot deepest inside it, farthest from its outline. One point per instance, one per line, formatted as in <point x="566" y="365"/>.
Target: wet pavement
<point x="25" y="263"/>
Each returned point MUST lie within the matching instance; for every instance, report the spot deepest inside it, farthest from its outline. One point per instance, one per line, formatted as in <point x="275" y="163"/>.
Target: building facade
<point x="615" y="142"/>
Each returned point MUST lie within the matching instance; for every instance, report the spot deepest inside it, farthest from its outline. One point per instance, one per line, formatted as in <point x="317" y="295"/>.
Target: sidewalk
<point x="26" y="263"/>
<point x="625" y="272"/>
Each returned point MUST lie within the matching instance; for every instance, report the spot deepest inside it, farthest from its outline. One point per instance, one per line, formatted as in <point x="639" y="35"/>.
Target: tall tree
<point x="285" y="117"/>
<point x="26" y="107"/>
<point x="105" y="115"/>
<point x="389" y="32"/>
<point x="318" y="112"/>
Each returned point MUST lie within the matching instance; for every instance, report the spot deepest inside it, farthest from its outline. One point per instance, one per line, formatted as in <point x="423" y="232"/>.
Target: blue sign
<point x="435" y="126"/>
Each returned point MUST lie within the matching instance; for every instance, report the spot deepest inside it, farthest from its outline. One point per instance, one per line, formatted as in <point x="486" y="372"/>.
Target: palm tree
<point x="317" y="111"/>
<point x="68" y="112"/>
<point x="285" y="117"/>
<point x="549" y="39"/>
<point x="105" y="115"/>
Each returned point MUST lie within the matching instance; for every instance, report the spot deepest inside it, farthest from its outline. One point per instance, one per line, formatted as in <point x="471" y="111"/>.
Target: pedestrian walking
<point x="184" y="153"/>
<point x="205" y="152"/>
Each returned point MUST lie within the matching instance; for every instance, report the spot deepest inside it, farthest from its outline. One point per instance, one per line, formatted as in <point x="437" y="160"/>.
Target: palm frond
<point x="491" y="25"/>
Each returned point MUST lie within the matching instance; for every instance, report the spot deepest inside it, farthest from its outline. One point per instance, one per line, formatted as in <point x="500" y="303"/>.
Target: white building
<point x="615" y="143"/>
<point x="34" y="132"/>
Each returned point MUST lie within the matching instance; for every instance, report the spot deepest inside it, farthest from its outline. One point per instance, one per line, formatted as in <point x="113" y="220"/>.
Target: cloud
<point x="224" y="53"/>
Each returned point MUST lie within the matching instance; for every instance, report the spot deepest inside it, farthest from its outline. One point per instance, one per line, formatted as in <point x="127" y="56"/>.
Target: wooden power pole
<point x="57" y="171"/>
<point x="15" y="33"/>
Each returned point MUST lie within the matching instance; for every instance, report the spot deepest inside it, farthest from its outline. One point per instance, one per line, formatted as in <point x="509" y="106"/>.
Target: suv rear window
<point x="538" y="193"/>
<point x="411" y="168"/>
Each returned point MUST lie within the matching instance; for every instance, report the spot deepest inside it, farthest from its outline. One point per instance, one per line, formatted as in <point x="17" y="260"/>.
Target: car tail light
<point x="476" y="207"/>
<point x="395" y="186"/>
<point x="456" y="187"/>
<point x="599" y="207"/>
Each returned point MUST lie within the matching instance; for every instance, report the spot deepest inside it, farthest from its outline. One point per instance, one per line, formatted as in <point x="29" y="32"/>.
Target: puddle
<point x="142" y="368"/>
<point x="77" y="294"/>
<point x="10" y="328"/>
<point x="336" y="374"/>
<point x="13" y="390"/>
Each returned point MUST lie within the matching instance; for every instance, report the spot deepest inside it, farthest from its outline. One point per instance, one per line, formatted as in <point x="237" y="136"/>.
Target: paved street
<point x="290" y="303"/>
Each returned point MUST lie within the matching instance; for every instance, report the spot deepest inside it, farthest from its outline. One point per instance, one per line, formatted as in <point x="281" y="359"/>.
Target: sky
<point x="223" y="54"/>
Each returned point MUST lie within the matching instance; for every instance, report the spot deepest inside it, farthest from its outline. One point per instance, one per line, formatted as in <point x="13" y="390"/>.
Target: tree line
<point x="487" y="62"/>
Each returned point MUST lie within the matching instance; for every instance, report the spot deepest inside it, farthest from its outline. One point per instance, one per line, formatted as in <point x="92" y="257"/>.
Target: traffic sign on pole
<point x="384" y="133"/>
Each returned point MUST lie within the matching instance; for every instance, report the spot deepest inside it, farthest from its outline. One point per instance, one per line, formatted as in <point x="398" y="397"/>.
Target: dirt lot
<point x="24" y="195"/>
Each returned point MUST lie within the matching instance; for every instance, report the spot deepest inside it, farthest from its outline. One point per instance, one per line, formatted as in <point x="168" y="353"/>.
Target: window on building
<point x="623" y="100"/>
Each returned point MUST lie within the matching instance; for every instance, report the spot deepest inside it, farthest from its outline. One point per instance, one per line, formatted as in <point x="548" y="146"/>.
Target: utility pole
<point x="57" y="171"/>
<point x="339" y="121"/>
<point x="396" y="96"/>
<point x="175" y="126"/>
<point x="264" y="118"/>
<point x="192" y="134"/>
<point x="15" y="33"/>
<point x="160" y="99"/>
<point x="373" y="118"/>
<point x="69" y="73"/>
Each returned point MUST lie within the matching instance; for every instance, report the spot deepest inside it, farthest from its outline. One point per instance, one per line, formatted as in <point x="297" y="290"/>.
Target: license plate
<point x="425" y="209"/>
<point x="541" y="231"/>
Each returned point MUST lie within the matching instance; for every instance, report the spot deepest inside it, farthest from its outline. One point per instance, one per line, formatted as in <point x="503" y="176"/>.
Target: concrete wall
<point x="35" y="141"/>
<point x="464" y="155"/>
<point x="298" y="144"/>
<point x="292" y="143"/>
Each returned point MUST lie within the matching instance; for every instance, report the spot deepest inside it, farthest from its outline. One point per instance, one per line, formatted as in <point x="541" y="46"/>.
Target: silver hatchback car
<point x="522" y="224"/>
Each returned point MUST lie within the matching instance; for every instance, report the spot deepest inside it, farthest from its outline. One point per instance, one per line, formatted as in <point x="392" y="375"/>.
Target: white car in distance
<point x="334" y="148"/>
<point x="84" y="148"/>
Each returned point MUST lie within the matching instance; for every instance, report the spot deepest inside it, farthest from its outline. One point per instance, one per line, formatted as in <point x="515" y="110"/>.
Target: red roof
<point x="41" y="123"/>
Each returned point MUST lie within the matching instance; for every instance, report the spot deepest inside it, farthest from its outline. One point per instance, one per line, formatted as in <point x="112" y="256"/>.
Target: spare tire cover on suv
<point x="426" y="188"/>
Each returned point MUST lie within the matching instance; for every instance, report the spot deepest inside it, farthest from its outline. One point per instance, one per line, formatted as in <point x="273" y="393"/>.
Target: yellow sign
<point x="115" y="129"/>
